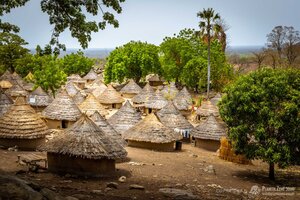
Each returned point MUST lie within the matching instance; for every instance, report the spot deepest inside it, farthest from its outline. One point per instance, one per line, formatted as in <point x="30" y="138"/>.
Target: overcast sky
<point x="151" y="20"/>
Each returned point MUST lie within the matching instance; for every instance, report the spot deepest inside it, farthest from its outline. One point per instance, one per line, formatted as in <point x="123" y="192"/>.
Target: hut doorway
<point x="113" y="105"/>
<point x="64" y="124"/>
<point x="149" y="110"/>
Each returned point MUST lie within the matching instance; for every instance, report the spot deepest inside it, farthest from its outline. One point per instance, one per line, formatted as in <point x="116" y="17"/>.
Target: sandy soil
<point x="154" y="170"/>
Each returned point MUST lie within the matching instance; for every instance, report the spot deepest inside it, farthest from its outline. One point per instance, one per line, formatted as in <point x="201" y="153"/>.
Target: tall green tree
<point x="133" y="60"/>
<point x="262" y="110"/>
<point x="207" y="25"/>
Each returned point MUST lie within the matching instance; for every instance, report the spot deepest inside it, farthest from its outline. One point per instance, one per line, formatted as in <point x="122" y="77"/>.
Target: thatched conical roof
<point x="71" y="89"/>
<point x="75" y="78"/>
<point x="154" y="77"/>
<point x="5" y="103"/>
<point x="150" y="129"/>
<point x="156" y="101"/>
<point x="216" y="99"/>
<point x="125" y="118"/>
<point x="107" y="128"/>
<point x="86" y="140"/>
<point x="78" y="98"/>
<point x="131" y="88"/>
<point x="110" y="96"/>
<point x="92" y="75"/>
<point x="18" y="79"/>
<point x="6" y="76"/>
<point x="98" y="89"/>
<point x="142" y="97"/>
<point x="5" y="84"/>
<point x="183" y="100"/>
<point x="90" y="105"/>
<point x="172" y="118"/>
<point x="39" y="98"/>
<point x="28" y="87"/>
<point x="16" y="90"/>
<point x="62" y="108"/>
<point x="209" y="129"/>
<point x="22" y="122"/>
<point x="206" y="109"/>
<point x="170" y="91"/>
<point x="29" y="77"/>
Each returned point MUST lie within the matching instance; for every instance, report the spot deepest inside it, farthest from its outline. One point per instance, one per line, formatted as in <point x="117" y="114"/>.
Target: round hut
<point x="125" y="118"/>
<point x="206" y="109"/>
<point x="172" y="118"/>
<point x="22" y="127"/>
<point x="78" y="98"/>
<point x="139" y="99"/>
<point x="216" y="99"/>
<point x="155" y="80"/>
<point x="39" y="99"/>
<point x="91" y="76"/>
<point x="5" y="84"/>
<point x="183" y="102"/>
<point x="110" y="98"/>
<point x="77" y="80"/>
<point x="130" y="89"/>
<point x="5" y="103"/>
<point x="208" y="133"/>
<point x="62" y="112"/>
<point x="170" y="91"/>
<point x="155" y="102"/>
<point x="150" y="133"/>
<point x="90" y="105"/>
<point x="83" y="149"/>
<point x="71" y="89"/>
<point x="98" y="88"/>
<point x="16" y="91"/>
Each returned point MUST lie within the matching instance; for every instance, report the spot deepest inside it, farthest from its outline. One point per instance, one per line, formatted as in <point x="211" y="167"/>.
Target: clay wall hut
<point x="125" y="118"/>
<point x="5" y="103"/>
<point x="216" y="99"/>
<point x="172" y="118"/>
<point x="91" y="76"/>
<point x="5" y="84"/>
<point x="16" y="91"/>
<point x="183" y="102"/>
<point x="71" y="89"/>
<point x="206" y="109"/>
<point x="110" y="98"/>
<point x="90" y="105"/>
<point x="208" y="133"/>
<point x="62" y="112"/>
<point x="170" y="91"/>
<point x="150" y="133"/>
<point x="77" y="80"/>
<point x="83" y="149"/>
<point x="22" y="127"/>
<point x="155" y="102"/>
<point x="140" y="99"/>
<point x="130" y="89"/>
<point x="155" y="80"/>
<point x="39" y="99"/>
<point x="78" y="98"/>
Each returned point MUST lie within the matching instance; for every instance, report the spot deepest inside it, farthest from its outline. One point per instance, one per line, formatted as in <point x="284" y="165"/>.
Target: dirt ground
<point x="184" y="169"/>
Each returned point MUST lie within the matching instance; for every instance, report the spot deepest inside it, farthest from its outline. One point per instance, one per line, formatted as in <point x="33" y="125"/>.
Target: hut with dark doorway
<point x="183" y="102"/>
<point x="150" y="133"/>
<point x="130" y="89"/>
<point x="78" y="98"/>
<point x="90" y="105"/>
<point x="71" y="89"/>
<point x="155" y="102"/>
<point x="22" y="127"/>
<point x="5" y="85"/>
<point x="125" y="118"/>
<point x="155" y="80"/>
<point x="110" y="98"/>
<point x="83" y="149"/>
<point x="140" y="99"/>
<point x="172" y="118"/>
<point x="216" y="99"/>
<point x="39" y="99"/>
<point x="90" y="76"/>
<point x="206" y="109"/>
<point x="5" y="103"/>
<point x="16" y="91"/>
<point x="170" y="91"/>
<point x="62" y="112"/>
<point x="208" y="133"/>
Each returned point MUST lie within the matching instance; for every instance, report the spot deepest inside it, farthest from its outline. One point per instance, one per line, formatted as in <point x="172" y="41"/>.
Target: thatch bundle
<point x="227" y="153"/>
<point x="90" y="105"/>
<point x="210" y="129"/>
<point x="107" y="128"/>
<point x="5" y="84"/>
<point x="21" y="122"/>
<point x="172" y="118"/>
<point x="5" y="103"/>
<point x="131" y="88"/>
<point x="92" y="75"/>
<point x="216" y="99"/>
<point x="170" y="91"/>
<point x="146" y="92"/>
<point x="62" y="108"/>
<point x="150" y="129"/>
<point x="206" y="109"/>
<point x="125" y="118"/>
<point x="156" y="101"/>
<point x="78" y="98"/>
<point x="39" y="98"/>
<point x="85" y="139"/>
<point x="16" y="90"/>
<point x="183" y="100"/>
<point x="110" y="96"/>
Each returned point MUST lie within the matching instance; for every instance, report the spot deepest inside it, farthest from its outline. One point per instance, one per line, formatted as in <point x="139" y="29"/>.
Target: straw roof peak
<point x="5" y="84"/>
<point x="71" y="88"/>
<point x="156" y="101"/>
<point x="207" y="108"/>
<point x="16" y="90"/>
<point x="39" y="98"/>
<point x="110" y="96"/>
<point x="143" y="95"/>
<point x="90" y="105"/>
<point x="131" y="88"/>
<point x="91" y="75"/>
<point x="183" y="100"/>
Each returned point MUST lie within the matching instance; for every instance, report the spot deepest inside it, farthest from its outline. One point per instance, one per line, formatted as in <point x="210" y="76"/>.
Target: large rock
<point x="177" y="193"/>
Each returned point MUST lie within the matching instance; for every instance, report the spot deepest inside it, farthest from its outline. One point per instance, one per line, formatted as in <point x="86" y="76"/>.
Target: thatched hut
<point x="77" y="80"/>
<point x="16" y="91"/>
<point x="90" y="105"/>
<point x="83" y="149"/>
<point x="130" y="89"/>
<point x="78" y="98"/>
<point x="39" y="99"/>
<point x="91" y="76"/>
<point x="183" y="102"/>
<point x="208" y="133"/>
<point x="107" y="128"/>
<point x="215" y="100"/>
<point x="150" y="133"/>
<point x="22" y="127"/>
<point x="125" y="118"/>
<point x="71" y="89"/>
<point x="5" y="103"/>
<point x="98" y="88"/>
<point x="5" y="84"/>
<point x="62" y="112"/>
<point x="7" y="76"/>
<point x="170" y="91"/>
<point x="155" y="102"/>
<point x="140" y="99"/>
<point x="28" y="86"/>
<point x="29" y="77"/>
<point x="172" y="118"/>
<point x="110" y="98"/>
<point x="155" y="80"/>
<point x="206" y="109"/>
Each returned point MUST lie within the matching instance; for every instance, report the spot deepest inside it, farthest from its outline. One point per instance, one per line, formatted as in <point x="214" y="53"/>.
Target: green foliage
<point x="133" y="60"/>
<point x="26" y="64"/>
<point x="262" y="111"/>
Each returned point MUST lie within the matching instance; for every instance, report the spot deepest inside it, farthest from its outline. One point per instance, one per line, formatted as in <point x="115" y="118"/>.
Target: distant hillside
<point x="243" y="49"/>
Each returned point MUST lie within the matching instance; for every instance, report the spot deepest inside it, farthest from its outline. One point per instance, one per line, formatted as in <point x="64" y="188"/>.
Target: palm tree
<point x="207" y="26"/>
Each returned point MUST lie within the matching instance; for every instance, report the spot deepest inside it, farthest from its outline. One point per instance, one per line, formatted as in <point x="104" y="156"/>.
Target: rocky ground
<point x="192" y="173"/>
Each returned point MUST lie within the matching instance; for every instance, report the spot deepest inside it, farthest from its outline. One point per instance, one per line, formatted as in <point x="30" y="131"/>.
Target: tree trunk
<point x="271" y="171"/>
<point x="208" y="67"/>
